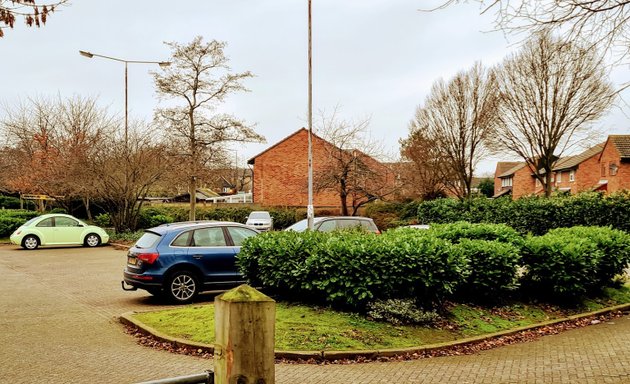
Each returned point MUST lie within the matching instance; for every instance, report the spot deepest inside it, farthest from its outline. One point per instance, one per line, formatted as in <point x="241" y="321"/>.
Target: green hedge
<point x="614" y="246"/>
<point x="535" y="215"/>
<point x="560" y="265"/>
<point x="156" y="215"/>
<point x="493" y="266"/>
<point x="12" y="219"/>
<point x="454" y="261"/>
<point x="350" y="269"/>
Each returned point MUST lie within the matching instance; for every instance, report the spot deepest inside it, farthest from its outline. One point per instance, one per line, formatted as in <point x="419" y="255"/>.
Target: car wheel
<point x="92" y="240"/>
<point x="30" y="242"/>
<point x="182" y="287"/>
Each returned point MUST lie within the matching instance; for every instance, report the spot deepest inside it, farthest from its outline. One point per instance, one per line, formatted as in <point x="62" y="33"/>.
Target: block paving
<point x="58" y="310"/>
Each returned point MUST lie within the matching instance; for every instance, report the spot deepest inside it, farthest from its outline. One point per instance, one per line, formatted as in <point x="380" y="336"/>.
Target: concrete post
<point x="244" y="331"/>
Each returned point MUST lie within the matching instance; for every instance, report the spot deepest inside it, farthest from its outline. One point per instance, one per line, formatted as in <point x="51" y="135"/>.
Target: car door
<point x="46" y="231"/>
<point x="210" y="250"/>
<point x="68" y="230"/>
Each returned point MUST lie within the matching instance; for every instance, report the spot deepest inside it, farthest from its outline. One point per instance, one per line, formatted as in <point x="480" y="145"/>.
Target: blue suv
<point x="180" y="260"/>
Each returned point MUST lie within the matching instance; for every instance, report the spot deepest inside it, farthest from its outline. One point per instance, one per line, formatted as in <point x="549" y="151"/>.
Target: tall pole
<point x="126" y="110"/>
<point x="309" y="208"/>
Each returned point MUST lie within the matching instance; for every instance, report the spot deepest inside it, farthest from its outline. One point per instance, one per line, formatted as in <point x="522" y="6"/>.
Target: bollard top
<point x="244" y="293"/>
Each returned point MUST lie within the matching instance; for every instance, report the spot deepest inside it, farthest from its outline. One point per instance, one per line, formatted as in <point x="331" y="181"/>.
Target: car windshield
<point x="259" y="215"/>
<point x="147" y="240"/>
<point x="302" y="225"/>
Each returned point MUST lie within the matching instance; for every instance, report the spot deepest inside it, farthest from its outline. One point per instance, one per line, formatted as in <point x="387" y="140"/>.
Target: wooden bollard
<point x="244" y="333"/>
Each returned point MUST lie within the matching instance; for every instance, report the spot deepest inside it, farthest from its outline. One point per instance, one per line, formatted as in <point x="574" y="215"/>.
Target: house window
<point x="506" y="182"/>
<point x="572" y="176"/>
<point x="559" y="177"/>
<point x="613" y="169"/>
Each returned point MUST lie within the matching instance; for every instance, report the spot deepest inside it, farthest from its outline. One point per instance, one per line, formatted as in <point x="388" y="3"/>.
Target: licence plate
<point x="132" y="260"/>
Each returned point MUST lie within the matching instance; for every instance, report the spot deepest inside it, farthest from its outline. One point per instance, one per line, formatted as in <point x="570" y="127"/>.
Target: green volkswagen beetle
<point x="58" y="229"/>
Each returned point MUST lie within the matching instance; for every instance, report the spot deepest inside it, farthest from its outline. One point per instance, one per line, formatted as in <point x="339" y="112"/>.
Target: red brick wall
<point x="281" y="173"/>
<point x="523" y="183"/>
<point x="621" y="180"/>
<point x="586" y="176"/>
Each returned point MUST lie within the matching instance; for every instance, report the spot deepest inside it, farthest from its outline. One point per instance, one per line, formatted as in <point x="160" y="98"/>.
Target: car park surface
<point x="58" y="325"/>
<point x="56" y="229"/>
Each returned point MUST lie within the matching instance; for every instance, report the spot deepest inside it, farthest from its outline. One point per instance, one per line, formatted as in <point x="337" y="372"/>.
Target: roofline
<point x="251" y="161"/>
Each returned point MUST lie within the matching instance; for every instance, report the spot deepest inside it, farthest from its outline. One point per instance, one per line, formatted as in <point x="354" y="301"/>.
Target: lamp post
<point x="309" y="208"/>
<point x="162" y="64"/>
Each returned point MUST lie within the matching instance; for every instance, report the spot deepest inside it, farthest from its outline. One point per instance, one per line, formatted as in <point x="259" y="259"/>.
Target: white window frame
<point x="571" y="176"/>
<point x="559" y="177"/>
<point x="506" y="182"/>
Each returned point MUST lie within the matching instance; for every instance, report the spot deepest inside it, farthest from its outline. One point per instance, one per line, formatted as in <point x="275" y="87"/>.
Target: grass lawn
<point x="304" y="328"/>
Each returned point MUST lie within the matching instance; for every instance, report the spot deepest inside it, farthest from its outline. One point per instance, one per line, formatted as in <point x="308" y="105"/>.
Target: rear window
<point x="148" y="240"/>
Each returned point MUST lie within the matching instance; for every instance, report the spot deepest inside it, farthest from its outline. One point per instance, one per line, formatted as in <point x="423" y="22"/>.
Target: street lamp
<point x="309" y="208"/>
<point x="162" y="64"/>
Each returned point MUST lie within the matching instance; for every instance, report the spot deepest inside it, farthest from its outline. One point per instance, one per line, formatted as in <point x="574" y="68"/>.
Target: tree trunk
<point x="192" y="189"/>
<point x="547" y="182"/>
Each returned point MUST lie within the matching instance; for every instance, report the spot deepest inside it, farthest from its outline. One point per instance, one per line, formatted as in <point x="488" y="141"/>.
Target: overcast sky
<point x="374" y="58"/>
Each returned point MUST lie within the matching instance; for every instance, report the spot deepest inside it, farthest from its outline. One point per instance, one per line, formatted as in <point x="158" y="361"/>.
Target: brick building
<point x="578" y="173"/>
<point x="513" y="178"/>
<point x="603" y="167"/>
<point x="280" y="173"/>
<point x="614" y="164"/>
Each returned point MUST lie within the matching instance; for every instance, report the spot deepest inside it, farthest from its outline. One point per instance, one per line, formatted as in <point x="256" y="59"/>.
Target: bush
<point x="10" y="220"/>
<point x="350" y="269"/>
<point x="400" y="312"/>
<point x="536" y="215"/>
<point x="560" y="265"/>
<point x="457" y="231"/>
<point x="103" y="220"/>
<point x="613" y="244"/>
<point x="493" y="267"/>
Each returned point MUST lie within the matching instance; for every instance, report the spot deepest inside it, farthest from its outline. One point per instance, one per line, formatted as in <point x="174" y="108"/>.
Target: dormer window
<point x="613" y="169"/>
<point x="506" y="182"/>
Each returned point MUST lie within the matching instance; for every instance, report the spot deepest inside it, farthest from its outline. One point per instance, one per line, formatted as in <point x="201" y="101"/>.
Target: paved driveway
<point x="57" y="325"/>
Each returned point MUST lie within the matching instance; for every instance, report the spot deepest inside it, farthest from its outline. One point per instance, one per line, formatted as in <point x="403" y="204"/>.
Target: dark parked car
<point x="180" y="260"/>
<point x="329" y="224"/>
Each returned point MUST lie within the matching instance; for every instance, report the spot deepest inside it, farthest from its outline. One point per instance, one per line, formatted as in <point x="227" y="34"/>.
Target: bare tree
<point x="604" y="23"/>
<point x="426" y="169"/>
<point x="52" y="143"/>
<point x="550" y="93"/>
<point x="350" y="168"/>
<point x="457" y="118"/>
<point x="200" y="79"/>
<point x="126" y="174"/>
<point x="33" y="14"/>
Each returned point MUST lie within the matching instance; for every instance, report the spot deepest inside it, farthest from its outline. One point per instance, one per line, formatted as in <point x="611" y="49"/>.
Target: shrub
<point x="152" y="217"/>
<point x="284" y="217"/>
<point x="350" y="269"/>
<point x="493" y="267"/>
<point x="11" y="219"/>
<point x="534" y="214"/>
<point x="400" y="312"/>
<point x="613" y="244"/>
<point x="103" y="220"/>
<point x="560" y="265"/>
<point x="10" y="202"/>
<point x="455" y="232"/>
<point x="280" y="260"/>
